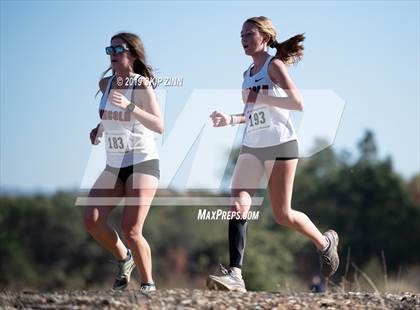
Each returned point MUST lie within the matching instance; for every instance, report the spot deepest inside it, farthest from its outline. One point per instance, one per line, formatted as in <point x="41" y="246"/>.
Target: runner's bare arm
<point x="279" y="75"/>
<point x="147" y="110"/>
<point x="237" y="119"/>
<point x="102" y="84"/>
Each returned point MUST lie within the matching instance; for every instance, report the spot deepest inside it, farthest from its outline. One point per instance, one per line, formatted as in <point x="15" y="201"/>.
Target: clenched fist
<point x="95" y="134"/>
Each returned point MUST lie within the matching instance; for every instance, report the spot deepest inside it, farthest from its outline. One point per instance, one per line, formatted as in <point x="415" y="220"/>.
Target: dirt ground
<point x="203" y="299"/>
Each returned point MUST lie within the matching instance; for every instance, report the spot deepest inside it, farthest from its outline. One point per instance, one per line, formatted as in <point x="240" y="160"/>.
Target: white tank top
<point x="266" y="125"/>
<point x="127" y="141"/>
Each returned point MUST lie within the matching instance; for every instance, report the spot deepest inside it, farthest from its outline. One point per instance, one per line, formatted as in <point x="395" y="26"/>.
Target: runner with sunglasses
<point x="129" y="116"/>
<point x="269" y="146"/>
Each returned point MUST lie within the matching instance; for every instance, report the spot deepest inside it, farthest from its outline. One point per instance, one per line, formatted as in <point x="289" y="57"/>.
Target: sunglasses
<point x="110" y="50"/>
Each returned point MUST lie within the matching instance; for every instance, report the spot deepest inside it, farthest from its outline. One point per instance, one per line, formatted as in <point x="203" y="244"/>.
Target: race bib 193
<point x="258" y="119"/>
<point x="116" y="143"/>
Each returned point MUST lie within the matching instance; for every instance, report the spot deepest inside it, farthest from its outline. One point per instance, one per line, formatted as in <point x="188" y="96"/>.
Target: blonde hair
<point x="289" y="51"/>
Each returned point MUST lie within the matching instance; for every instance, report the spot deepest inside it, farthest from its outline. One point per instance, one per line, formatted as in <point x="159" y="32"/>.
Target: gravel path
<point x="203" y="299"/>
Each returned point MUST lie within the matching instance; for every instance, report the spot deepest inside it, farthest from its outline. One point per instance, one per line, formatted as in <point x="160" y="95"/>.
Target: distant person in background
<point x="129" y="118"/>
<point x="316" y="285"/>
<point x="269" y="146"/>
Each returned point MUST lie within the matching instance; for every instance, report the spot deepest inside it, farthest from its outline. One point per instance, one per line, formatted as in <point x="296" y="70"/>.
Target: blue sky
<point x="52" y="54"/>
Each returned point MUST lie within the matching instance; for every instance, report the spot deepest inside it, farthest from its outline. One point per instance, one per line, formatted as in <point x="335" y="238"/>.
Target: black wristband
<point x="131" y="107"/>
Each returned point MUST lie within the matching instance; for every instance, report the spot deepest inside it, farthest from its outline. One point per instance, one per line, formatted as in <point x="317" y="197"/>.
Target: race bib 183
<point x="116" y="143"/>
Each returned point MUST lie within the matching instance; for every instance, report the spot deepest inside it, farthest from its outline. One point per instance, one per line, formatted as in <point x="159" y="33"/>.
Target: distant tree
<point x="367" y="148"/>
<point x="413" y="189"/>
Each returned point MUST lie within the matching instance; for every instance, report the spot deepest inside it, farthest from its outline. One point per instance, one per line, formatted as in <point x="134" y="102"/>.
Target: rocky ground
<point x="204" y="299"/>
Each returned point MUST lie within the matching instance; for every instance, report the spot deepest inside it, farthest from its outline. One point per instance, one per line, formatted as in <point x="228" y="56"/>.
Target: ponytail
<point x="289" y="51"/>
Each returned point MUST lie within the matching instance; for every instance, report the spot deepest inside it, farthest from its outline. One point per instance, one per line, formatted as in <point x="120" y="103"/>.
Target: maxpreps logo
<point x="219" y="214"/>
<point x="195" y="156"/>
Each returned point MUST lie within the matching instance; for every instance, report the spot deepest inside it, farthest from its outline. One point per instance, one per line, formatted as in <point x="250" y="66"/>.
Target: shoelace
<point x="326" y="259"/>
<point x="223" y="270"/>
<point x="121" y="271"/>
<point x="226" y="272"/>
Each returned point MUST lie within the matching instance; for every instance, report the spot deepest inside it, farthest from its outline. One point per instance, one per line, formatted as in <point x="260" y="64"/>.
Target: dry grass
<point x="375" y="278"/>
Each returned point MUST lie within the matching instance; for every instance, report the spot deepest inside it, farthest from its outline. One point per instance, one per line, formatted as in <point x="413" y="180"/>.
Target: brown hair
<point x="136" y="47"/>
<point x="289" y="51"/>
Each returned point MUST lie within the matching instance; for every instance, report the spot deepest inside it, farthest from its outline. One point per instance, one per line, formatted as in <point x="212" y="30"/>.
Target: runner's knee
<point x="283" y="217"/>
<point x="93" y="221"/>
<point x="132" y="232"/>
<point x="241" y="202"/>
